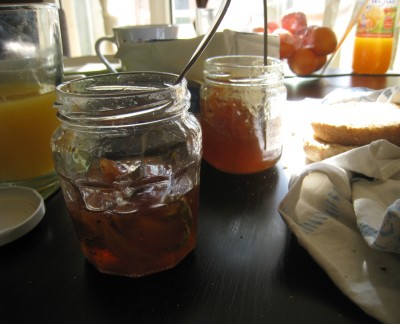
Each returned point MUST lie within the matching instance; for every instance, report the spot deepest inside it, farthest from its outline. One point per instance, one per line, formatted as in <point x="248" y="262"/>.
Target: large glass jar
<point x="128" y="157"/>
<point x="241" y="104"/>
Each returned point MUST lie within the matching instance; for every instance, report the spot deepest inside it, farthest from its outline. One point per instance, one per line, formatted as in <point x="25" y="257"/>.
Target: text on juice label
<point x="378" y="19"/>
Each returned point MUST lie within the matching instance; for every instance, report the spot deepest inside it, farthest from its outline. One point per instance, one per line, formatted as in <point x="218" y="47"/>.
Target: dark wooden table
<point x="247" y="266"/>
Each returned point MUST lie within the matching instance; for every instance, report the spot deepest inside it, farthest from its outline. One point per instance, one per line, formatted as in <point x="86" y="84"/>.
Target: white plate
<point x="21" y="209"/>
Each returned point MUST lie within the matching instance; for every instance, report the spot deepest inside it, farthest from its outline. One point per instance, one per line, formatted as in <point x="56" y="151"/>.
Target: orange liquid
<point x="27" y="122"/>
<point x="372" y="55"/>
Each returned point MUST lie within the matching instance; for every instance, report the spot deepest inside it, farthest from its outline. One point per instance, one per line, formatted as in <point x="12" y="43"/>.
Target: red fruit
<point x="294" y="22"/>
<point x="298" y="40"/>
<point x="303" y="61"/>
<point x="259" y="30"/>
<point x="272" y="25"/>
<point x="322" y="40"/>
<point x="321" y="60"/>
<point x="307" y="37"/>
<point x="287" y="42"/>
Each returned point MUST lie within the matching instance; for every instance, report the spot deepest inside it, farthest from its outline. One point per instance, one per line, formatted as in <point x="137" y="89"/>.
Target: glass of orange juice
<point x="30" y="69"/>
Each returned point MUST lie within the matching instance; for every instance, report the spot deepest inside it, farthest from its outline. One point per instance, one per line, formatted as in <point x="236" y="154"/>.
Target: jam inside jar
<point x="240" y="113"/>
<point x="128" y="157"/>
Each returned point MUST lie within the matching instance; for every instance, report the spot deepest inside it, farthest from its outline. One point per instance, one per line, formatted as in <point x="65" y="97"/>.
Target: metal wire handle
<point x="206" y="39"/>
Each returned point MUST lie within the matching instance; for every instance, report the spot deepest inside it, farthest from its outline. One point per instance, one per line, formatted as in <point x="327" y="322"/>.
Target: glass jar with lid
<point x="240" y="112"/>
<point x="128" y="156"/>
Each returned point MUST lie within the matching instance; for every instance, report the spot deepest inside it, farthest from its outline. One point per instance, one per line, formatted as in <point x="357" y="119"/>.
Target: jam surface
<point x="236" y="137"/>
<point x="134" y="221"/>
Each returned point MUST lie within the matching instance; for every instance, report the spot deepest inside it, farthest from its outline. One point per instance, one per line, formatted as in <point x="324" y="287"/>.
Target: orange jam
<point x="234" y="138"/>
<point x="139" y="235"/>
<point x="240" y="112"/>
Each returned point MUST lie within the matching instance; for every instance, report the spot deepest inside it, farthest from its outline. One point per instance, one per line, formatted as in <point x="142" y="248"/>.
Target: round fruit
<point x="286" y="41"/>
<point x="271" y="25"/>
<point x="259" y="30"/>
<point x="295" y="22"/>
<point x="303" y="61"/>
<point x="322" y="40"/>
<point x="321" y="60"/>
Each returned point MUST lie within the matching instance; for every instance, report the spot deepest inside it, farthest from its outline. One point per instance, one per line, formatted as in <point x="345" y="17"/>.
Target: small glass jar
<point x="128" y="156"/>
<point x="240" y="112"/>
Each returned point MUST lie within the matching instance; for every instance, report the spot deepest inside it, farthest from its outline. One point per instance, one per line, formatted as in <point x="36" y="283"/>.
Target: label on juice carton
<point x="377" y="19"/>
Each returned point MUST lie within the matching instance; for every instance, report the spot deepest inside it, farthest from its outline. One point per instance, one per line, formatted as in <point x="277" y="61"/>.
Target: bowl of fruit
<point x="304" y="46"/>
<point x="314" y="35"/>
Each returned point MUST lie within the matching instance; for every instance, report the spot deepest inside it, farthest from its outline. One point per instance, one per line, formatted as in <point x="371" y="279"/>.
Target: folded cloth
<point x="391" y="94"/>
<point x="346" y="212"/>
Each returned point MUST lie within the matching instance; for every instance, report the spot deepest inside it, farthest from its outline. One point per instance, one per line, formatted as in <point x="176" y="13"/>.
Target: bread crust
<point x="317" y="150"/>
<point x="356" y="124"/>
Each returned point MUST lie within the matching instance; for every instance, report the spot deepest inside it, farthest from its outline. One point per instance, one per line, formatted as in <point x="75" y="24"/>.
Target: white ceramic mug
<point x="136" y="34"/>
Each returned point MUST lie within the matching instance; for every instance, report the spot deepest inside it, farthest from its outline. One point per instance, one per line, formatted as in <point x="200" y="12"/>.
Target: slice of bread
<point x="356" y="124"/>
<point x="317" y="150"/>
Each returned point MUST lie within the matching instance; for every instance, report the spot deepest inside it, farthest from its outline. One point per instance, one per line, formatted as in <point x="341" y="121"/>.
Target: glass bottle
<point x="128" y="157"/>
<point x="374" y="37"/>
<point x="240" y="113"/>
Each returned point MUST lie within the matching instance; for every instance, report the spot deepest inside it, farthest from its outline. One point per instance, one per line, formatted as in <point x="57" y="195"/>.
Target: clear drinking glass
<point x="30" y="69"/>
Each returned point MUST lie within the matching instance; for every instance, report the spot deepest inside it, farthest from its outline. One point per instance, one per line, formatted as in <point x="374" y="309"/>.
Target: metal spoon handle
<point x="206" y="39"/>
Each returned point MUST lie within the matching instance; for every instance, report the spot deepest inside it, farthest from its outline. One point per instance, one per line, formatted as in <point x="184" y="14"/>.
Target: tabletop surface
<point x="247" y="266"/>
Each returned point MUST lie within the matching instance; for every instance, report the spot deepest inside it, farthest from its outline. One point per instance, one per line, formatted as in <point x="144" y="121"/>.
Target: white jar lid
<point x="21" y="209"/>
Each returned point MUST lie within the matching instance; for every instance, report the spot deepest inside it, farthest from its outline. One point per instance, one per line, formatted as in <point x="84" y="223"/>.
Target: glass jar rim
<point x="243" y="61"/>
<point x="120" y="99"/>
<point x="112" y="89"/>
<point x="243" y="70"/>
